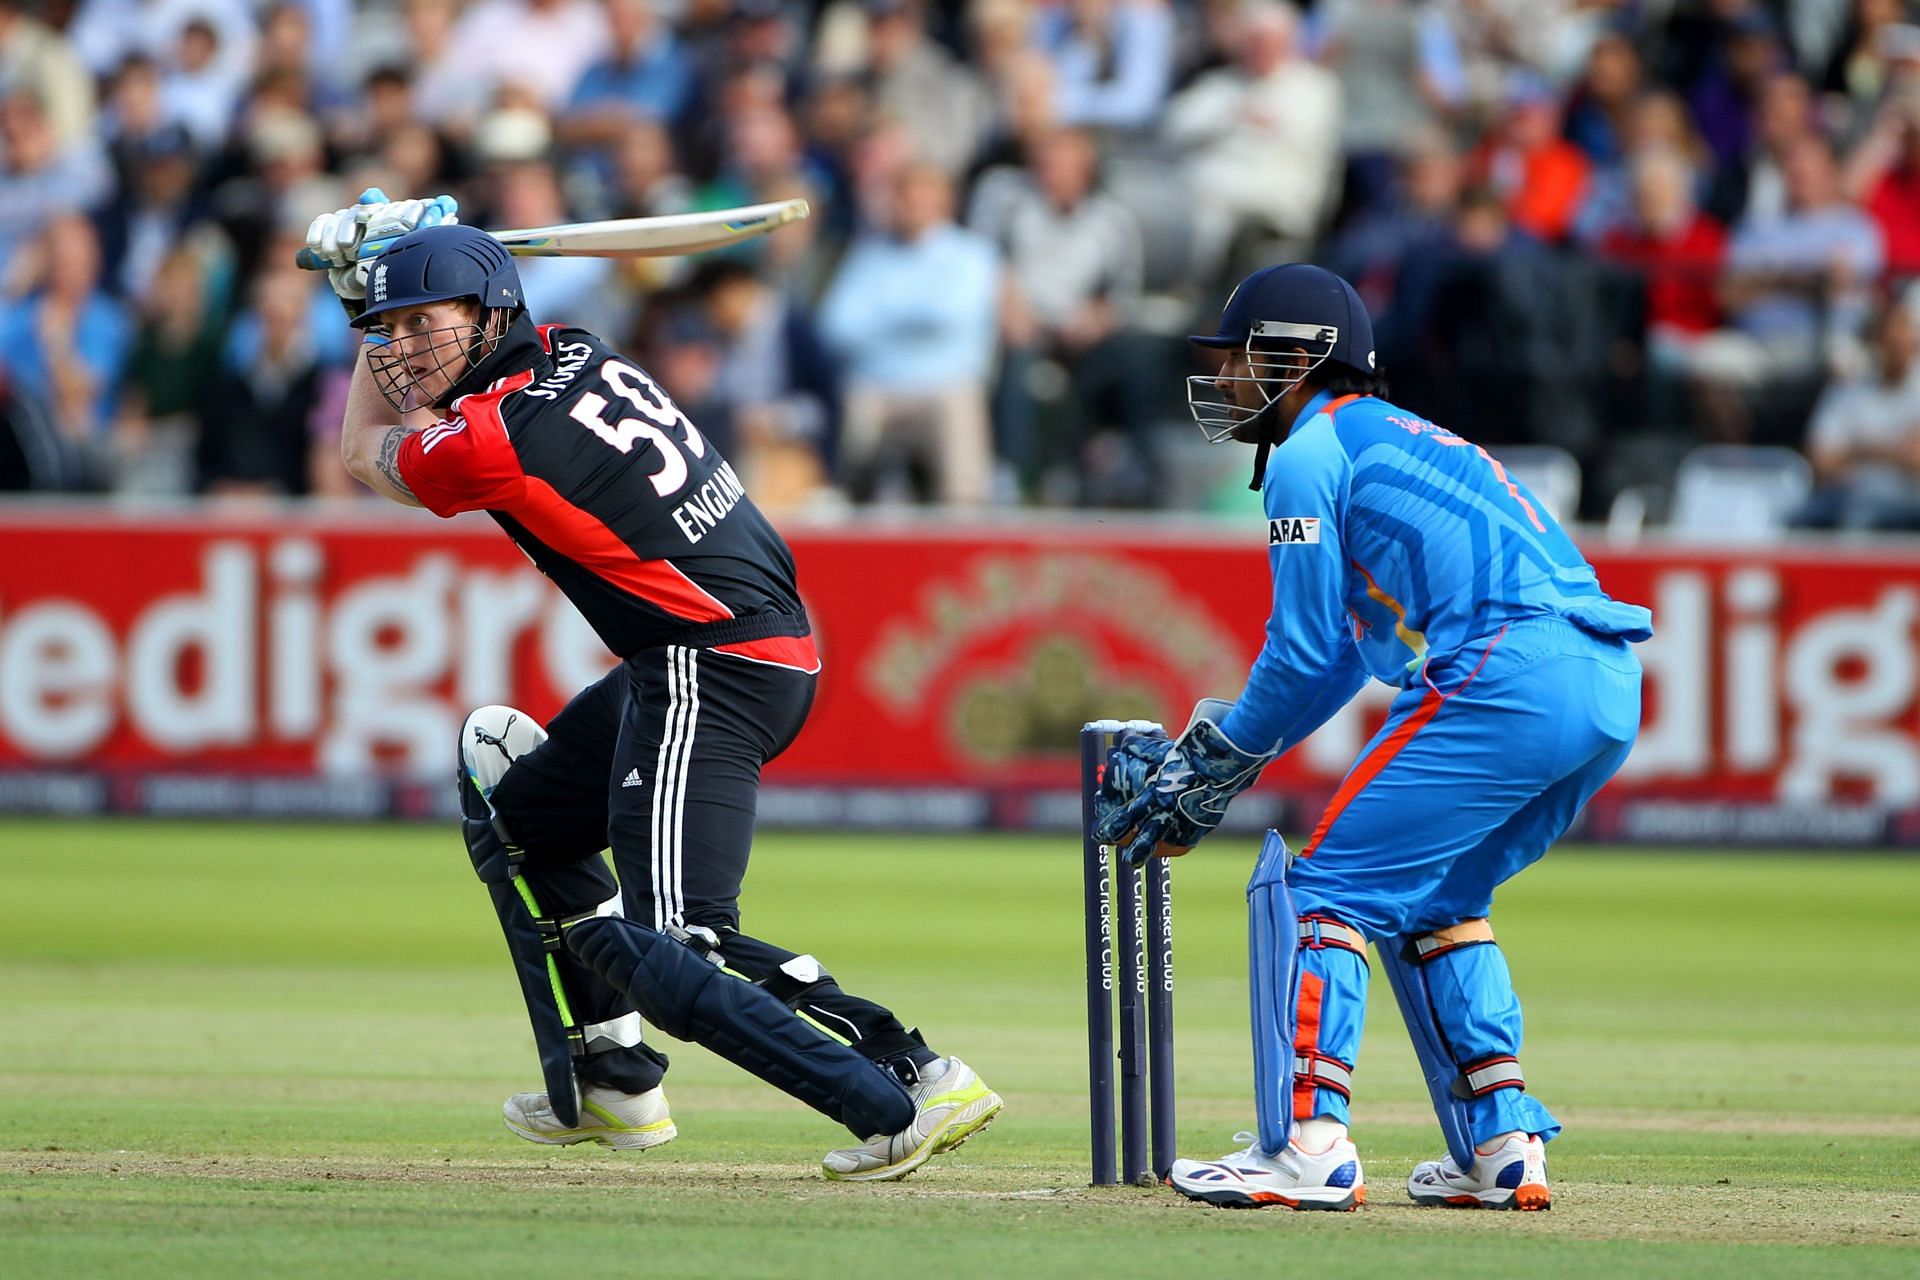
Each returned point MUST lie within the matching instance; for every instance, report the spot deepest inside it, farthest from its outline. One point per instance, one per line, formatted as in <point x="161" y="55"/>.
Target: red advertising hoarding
<point x="315" y="659"/>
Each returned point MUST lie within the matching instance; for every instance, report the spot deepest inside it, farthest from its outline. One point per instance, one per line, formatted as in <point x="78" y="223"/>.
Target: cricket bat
<point x="661" y="237"/>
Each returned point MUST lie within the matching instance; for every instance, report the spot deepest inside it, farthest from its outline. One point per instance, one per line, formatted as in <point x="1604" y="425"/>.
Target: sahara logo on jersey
<point x="1291" y="529"/>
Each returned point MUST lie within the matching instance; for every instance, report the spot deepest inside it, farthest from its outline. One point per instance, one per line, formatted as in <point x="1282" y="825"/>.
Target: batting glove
<point x="348" y="240"/>
<point x="1186" y="793"/>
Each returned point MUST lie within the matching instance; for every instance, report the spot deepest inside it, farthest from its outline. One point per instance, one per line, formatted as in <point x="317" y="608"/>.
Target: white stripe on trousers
<point x="670" y="785"/>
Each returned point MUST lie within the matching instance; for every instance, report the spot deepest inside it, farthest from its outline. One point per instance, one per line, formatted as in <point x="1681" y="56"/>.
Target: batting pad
<point x="1272" y="955"/>
<point x="684" y="994"/>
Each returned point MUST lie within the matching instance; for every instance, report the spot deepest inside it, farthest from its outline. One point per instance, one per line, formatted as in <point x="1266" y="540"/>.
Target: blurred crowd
<point x="1615" y="227"/>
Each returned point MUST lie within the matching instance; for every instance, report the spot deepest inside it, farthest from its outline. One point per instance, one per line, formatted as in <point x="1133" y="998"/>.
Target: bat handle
<point x="308" y="260"/>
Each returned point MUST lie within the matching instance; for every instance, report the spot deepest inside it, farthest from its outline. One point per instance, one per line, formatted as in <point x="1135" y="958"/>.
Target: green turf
<point x="237" y="1050"/>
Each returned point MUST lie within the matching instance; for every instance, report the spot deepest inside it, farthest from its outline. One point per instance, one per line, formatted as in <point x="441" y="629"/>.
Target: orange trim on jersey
<point x="1371" y="764"/>
<point x="1336" y="405"/>
<point x="1306" y="1039"/>
<point x="797" y="652"/>
<point x="582" y="538"/>
<point x="1414" y="640"/>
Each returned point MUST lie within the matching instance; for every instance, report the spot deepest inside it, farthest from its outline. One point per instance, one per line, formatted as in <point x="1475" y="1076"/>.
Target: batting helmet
<point x="435" y="264"/>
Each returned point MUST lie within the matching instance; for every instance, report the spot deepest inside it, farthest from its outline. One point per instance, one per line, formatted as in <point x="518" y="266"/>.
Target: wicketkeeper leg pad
<point x="1272" y="952"/>
<point x="681" y="990"/>
<point x="1308" y="986"/>
<point x="1456" y="996"/>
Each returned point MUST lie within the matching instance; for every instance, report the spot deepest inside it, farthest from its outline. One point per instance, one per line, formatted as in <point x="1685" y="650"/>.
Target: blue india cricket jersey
<point x="1395" y="545"/>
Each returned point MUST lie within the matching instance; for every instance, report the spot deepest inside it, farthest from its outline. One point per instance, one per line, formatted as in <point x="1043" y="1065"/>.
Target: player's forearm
<point x="370" y="438"/>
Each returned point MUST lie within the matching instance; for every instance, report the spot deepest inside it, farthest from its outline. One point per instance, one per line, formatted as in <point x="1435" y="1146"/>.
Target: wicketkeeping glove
<point x="1178" y="797"/>
<point x="349" y="239"/>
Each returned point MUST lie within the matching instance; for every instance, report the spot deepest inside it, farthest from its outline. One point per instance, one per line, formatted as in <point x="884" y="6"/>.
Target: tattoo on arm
<point x="389" y="461"/>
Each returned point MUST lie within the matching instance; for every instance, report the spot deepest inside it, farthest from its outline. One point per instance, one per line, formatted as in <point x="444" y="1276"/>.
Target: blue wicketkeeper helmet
<point x="1289" y="320"/>
<point x="436" y="264"/>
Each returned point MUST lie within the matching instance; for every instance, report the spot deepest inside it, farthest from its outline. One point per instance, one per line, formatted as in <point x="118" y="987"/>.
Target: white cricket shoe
<point x="1514" y="1176"/>
<point x="950" y="1103"/>
<point x="1296" y="1179"/>
<point x="628" y="1121"/>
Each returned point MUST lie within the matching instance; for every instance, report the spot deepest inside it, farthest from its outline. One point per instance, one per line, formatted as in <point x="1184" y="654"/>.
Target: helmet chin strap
<point x="1267" y="414"/>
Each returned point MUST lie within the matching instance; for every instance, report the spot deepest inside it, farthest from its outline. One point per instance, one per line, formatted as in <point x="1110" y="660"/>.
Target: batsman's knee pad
<point x="491" y="739"/>
<point x="1456" y="997"/>
<point x="680" y="987"/>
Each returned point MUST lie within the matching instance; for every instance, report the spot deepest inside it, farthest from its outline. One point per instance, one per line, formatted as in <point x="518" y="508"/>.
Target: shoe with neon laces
<point x="1511" y="1176"/>
<point x="951" y="1104"/>
<point x="1293" y="1179"/>
<point x="627" y="1121"/>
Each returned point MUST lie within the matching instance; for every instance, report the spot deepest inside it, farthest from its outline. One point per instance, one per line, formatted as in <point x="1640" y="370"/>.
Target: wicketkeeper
<point x="1400" y="552"/>
<point x="459" y="402"/>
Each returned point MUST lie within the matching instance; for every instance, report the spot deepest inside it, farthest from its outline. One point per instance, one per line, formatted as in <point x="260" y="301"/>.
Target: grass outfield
<point x="237" y="1050"/>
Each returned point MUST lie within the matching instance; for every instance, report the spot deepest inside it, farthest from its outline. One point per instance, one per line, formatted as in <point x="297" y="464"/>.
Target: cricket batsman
<point x="1403" y="553"/>
<point x="460" y="402"/>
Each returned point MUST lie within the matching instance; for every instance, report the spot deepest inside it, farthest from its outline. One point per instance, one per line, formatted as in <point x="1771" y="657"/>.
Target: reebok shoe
<point x="1514" y="1176"/>
<point x="1293" y="1179"/>
<point x="627" y="1121"/>
<point x="949" y="1108"/>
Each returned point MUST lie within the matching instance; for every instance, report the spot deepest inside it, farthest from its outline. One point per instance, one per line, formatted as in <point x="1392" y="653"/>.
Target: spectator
<point x="1417" y="218"/>
<point x="170" y="374"/>
<point x="1865" y="437"/>
<point x="1658" y="120"/>
<point x="64" y="341"/>
<point x="152" y="212"/>
<point x="106" y="32"/>
<point x="1027" y="111"/>
<point x="445" y="93"/>
<point x="1489" y="305"/>
<point x="519" y="188"/>
<point x="910" y="315"/>
<point x="1720" y="59"/>
<point x="835" y="116"/>
<point x="133" y="111"/>
<point x="1392" y="59"/>
<point x="941" y="101"/>
<point x="200" y="90"/>
<point x="542" y="46"/>
<point x="258" y="442"/>
<point x="1604" y="100"/>
<point x="1073" y="263"/>
<point x="1883" y="175"/>
<point x="1795" y="291"/>
<point x="39" y="178"/>
<point x="645" y="75"/>
<point x="1865" y="65"/>
<point x="384" y="105"/>
<point x="646" y="177"/>
<point x="1541" y="176"/>
<point x="1755" y="187"/>
<point x="34" y="455"/>
<point x="41" y="60"/>
<point x="1676" y="250"/>
<point x="775" y="384"/>
<point x="1261" y="140"/>
<point x="1112" y="60"/>
<point x="282" y="180"/>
